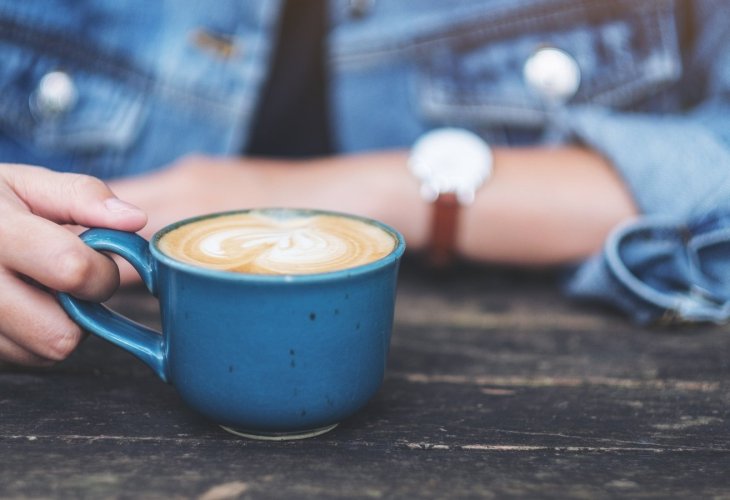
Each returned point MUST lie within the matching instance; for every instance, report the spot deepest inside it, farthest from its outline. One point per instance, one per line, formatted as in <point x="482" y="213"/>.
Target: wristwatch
<point x="451" y="164"/>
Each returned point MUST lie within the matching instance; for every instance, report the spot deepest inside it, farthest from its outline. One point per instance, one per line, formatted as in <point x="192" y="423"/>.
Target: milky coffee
<point x="278" y="242"/>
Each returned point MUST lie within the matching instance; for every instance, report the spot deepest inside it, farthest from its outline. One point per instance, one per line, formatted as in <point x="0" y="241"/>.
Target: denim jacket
<point x="143" y="83"/>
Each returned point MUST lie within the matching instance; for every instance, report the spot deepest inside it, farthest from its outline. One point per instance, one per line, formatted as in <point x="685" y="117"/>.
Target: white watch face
<point x="451" y="160"/>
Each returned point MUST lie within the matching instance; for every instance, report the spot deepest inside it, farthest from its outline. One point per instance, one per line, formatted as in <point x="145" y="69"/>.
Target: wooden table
<point x="497" y="387"/>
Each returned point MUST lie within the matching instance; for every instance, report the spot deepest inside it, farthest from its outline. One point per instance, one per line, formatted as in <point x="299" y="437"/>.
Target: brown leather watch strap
<point x="444" y="225"/>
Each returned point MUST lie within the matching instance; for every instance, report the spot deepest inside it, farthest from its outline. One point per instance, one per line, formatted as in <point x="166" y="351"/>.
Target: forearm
<point x="541" y="206"/>
<point x="544" y="206"/>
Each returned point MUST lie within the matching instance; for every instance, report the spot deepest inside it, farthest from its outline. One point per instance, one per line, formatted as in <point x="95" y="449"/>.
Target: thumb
<point x="72" y="198"/>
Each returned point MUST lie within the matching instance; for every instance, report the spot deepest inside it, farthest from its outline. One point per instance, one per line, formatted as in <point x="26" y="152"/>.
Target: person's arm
<point x="545" y="206"/>
<point x="542" y="206"/>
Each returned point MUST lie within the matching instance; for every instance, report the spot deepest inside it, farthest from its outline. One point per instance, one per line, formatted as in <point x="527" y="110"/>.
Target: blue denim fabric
<point x="149" y="90"/>
<point x="158" y="80"/>
<point x="663" y="268"/>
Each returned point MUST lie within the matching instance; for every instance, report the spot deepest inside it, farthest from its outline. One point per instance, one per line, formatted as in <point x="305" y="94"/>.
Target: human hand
<point x="35" y="249"/>
<point x="373" y="185"/>
<point x="376" y="185"/>
<point x="191" y="186"/>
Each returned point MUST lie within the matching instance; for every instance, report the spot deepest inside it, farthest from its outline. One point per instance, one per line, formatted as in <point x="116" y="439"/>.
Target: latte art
<point x="257" y="243"/>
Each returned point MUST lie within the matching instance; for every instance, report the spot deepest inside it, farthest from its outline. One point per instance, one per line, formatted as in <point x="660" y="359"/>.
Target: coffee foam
<point x="258" y="243"/>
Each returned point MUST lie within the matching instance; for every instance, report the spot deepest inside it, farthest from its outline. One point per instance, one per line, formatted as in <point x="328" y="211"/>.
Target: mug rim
<point x="394" y="255"/>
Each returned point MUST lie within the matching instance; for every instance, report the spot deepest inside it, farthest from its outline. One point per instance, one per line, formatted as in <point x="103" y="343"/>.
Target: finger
<point x="72" y="198"/>
<point x="56" y="258"/>
<point x="13" y="353"/>
<point x="34" y="322"/>
<point x="128" y="275"/>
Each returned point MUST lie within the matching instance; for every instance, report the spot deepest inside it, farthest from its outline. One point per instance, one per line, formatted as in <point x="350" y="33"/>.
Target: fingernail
<point x="118" y="206"/>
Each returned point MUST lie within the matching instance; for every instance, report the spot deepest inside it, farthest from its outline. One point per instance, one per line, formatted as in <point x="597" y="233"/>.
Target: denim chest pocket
<point x="624" y="52"/>
<point x="63" y="100"/>
<point x="466" y="60"/>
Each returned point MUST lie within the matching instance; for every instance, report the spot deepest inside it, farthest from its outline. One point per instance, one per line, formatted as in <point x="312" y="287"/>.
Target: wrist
<point x="451" y="164"/>
<point x="376" y="185"/>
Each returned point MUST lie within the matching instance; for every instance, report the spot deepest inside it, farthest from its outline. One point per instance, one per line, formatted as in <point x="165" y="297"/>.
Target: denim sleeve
<point x="673" y="261"/>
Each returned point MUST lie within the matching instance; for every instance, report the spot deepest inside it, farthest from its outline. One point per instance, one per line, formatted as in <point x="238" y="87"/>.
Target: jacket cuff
<point x="673" y="262"/>
<point x="657" y="269"/>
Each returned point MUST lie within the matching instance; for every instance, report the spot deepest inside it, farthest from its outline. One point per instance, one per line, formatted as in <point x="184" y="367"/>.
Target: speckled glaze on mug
<point x="263" y="356"/>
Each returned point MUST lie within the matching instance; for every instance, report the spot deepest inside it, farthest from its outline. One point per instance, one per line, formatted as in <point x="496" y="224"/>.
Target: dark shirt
<point x="292" y="117"/>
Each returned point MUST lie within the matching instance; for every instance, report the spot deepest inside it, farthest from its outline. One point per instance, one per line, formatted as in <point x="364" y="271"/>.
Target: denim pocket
<point x="62" y="97"/>
<point x="464" y="61"/>
<point x="626" y="52"/>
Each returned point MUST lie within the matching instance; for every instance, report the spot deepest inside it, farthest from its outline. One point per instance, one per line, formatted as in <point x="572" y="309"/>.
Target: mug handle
<point x="145" y="343"/>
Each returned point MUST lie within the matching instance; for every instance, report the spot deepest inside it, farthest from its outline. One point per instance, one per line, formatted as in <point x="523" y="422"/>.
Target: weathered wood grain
<point x="497" y="387"/>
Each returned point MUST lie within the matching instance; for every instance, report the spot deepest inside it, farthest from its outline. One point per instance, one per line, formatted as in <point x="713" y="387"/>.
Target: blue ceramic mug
<point x="265" y="356"/>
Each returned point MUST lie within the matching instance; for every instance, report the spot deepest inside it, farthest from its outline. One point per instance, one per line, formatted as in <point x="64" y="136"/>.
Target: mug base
<point x="279" y="436"/>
